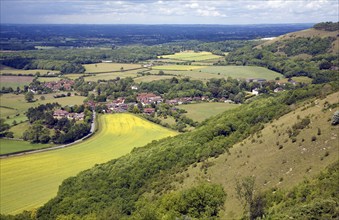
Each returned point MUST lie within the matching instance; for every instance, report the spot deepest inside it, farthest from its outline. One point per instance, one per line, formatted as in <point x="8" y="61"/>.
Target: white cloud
<point x="168" y="11"/>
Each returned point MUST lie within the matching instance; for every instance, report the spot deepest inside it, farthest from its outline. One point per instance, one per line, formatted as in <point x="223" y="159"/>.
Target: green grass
<point x="10" y="146"/>
<point x="29" y="181"/>
<point x="261" y="157"/>
<point x="201" y="111"/>
<point x="108" y="67"/>
<point x="18" y="104"/>
<point x="190" y="56"/>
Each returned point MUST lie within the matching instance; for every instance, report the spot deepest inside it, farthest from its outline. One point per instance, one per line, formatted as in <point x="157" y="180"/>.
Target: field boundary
<point x="114" y="71"/>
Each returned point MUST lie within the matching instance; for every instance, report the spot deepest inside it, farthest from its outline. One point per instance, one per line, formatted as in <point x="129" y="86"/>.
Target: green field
<point x="151" y="78"/>
<point x="10" y="146"/>
<point x="109" y="67"/>
<point x="12" y="104"/>
<point x="201" y="111"/>
<point x="50" y="79"/>
<point x="29" y="181"/>
<point x="207" y="72"/>
<point x="6" y="69"/>
<point x="177" y="67"/>
<point x="190" y="56"/>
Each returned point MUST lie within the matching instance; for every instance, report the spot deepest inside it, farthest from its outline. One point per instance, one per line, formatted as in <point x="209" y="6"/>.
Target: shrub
<point x="314" y="138"/>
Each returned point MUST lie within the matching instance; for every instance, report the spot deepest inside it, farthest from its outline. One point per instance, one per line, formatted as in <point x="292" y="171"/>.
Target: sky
<point x="168" y="11"/>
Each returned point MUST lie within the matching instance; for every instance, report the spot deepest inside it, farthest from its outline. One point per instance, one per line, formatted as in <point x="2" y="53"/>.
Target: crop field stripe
<point x="29" y="181"/>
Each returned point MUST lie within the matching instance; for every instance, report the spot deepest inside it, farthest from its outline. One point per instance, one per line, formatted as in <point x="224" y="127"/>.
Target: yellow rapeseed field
<point x="29" y="181"/>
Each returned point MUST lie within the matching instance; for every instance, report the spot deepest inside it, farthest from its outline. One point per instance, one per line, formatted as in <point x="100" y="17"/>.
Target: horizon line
<point x="309" y="23"/>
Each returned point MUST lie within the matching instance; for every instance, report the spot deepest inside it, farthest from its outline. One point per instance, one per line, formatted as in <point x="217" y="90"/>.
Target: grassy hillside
<point x="308" y="33"/>
<point x="116" y="188"/>
<point x="38" y="176"/>
<point x="274" y="158"/>
<point x="308" y="200"/>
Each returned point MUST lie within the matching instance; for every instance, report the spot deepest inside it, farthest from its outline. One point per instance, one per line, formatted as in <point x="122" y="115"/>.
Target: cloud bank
<point x="168" y="12"/>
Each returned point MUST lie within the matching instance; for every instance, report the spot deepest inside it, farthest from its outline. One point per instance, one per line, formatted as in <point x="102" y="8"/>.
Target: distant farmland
<point x="177" y="67"/>
<point x="9" y="70"/>
<point x="110" y="67"/>
<point x="29" y="181"/>
<point x="191" y="56"/>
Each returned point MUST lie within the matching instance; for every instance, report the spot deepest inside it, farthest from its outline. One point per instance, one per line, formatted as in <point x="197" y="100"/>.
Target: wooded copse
<point x="42" y="121"/>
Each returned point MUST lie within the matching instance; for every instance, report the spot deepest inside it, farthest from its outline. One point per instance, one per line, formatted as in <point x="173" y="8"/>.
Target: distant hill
<point x="311" y="52"/>
<point x="308" y="33"/>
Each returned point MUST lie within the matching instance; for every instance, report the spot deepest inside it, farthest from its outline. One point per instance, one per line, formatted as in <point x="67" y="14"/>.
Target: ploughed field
<point x="29" y="181"/>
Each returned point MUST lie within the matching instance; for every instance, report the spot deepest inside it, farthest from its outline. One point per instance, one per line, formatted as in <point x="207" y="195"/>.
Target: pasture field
<point x="114" y="75"/>
<point x="50" y="79"/>
<point x="29" y="181"/>
<point x="190" y="56"/>
<point x="5" y="69"/>
<point x="12" y="104"/>
<point x="15" y="81"/>
<point x="177" y="67"/>
<point x="272" y="166"/>
<point x="10" y="146"/>
<point x="150" y="78"/>
<point x="208" y="72"/>
<point x="109" y="67"/>
<point x="243" y="72"/>
<point x="201" y="111"/>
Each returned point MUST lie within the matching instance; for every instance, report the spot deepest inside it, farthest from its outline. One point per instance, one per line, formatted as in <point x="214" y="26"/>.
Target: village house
<point x="279" y="89"/>
<point x="149" y="111"/>
<point x="59" y="114"/>
<point x="148" y="98"/>
<point x="258" y="80"/>
<point x="255" y="91"/>
<point x="76" y="116"/>
<point x="91" y="104"/>
<point x="63" y="84"/>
